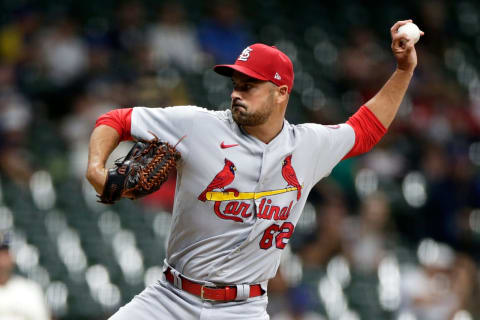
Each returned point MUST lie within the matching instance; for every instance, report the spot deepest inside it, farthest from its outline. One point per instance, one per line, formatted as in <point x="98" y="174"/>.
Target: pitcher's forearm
<point x="386" y="102"/>
<point x="103" y="141"/>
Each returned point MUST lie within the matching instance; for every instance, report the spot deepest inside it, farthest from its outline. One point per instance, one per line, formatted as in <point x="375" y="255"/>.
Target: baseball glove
<point x="141" y="172"/>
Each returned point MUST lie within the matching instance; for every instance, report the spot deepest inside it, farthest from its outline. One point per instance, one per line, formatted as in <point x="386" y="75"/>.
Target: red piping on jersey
<point x="118" y="119"/>
<point x="368" y="131"/>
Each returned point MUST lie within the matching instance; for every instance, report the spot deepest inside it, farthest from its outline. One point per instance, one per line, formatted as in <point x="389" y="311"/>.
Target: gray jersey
<point x="238" y="199"/>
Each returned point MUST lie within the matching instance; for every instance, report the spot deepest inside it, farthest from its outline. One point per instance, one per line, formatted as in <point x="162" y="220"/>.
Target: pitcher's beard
<point x="244" y="118"/>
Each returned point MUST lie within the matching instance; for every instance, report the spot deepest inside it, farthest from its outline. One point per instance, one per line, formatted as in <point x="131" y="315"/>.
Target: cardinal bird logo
<point x="221" y="180"/>
<point x="289" y="175"/>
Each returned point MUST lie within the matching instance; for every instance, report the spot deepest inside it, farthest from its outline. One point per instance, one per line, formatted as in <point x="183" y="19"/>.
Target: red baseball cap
<point x="261" y="62"/>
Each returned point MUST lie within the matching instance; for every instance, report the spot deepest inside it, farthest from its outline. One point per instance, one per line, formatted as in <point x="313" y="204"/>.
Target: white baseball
<point x="411" y="31"/>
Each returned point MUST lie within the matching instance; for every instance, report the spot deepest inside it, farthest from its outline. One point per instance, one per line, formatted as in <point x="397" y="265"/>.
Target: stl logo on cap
<point x="266" y="64"/>
<point x="245" y="54"/>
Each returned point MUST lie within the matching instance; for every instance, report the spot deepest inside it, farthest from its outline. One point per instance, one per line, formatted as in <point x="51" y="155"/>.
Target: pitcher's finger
<point x="397" y="25"/>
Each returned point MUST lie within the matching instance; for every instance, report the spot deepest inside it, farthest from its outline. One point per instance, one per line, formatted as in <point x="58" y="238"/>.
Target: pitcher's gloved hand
<point x="143" y="170"/>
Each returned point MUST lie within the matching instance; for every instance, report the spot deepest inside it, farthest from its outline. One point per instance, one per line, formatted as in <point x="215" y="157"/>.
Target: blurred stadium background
<point x="394" y="234"/>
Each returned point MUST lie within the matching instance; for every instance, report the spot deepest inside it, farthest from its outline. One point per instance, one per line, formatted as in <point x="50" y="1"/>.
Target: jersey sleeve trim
<point x="120" y="120"/>
<point x="368" y="131"/>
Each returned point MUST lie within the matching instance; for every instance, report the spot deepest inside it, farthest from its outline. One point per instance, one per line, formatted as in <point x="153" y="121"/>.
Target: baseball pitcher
<point x="243" y="178"/>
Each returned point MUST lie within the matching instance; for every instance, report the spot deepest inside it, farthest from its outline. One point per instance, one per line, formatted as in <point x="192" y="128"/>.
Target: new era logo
<point x="277" y="76"/>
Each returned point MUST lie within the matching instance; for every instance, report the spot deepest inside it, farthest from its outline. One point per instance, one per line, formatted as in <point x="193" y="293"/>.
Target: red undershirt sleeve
<point x="118" y="119"/>
<point x="368" y="131"/>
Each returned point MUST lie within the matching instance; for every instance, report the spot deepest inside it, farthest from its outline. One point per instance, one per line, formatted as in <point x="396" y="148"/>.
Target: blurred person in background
<point x="16" y="37"/>
<point x="225" y="33"/>
<point x="453" y="186"/>
<point x="62" y="59"/>
<point x="128" y="32"/>
<point x="441" y="285"/>
<point x="173" y="41"/>
<point x="299" y="302"/>
<point x="363" y="62"/>
<point x="366" y="237"/>
<point x="288" y="300"/>
<point x="324" y="241"/>
<point x="64" y="52"/>
<point x="76" y="127"/>
<point x="20" y="298"/>
<point x="15" y="120"/>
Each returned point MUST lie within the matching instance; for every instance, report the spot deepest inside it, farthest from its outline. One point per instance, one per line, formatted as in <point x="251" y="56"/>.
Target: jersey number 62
<point x="281" y="233"/>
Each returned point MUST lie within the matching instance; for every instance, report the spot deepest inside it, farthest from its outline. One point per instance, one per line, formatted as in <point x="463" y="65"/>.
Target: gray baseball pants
<point x="163" y="301"/>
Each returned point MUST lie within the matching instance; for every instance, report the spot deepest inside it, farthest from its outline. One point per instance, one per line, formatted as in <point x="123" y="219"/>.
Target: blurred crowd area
<point x="393" y="234"/>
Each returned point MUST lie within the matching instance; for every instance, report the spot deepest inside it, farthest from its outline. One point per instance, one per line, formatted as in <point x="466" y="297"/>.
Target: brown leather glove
<point x="143" y="170"/>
